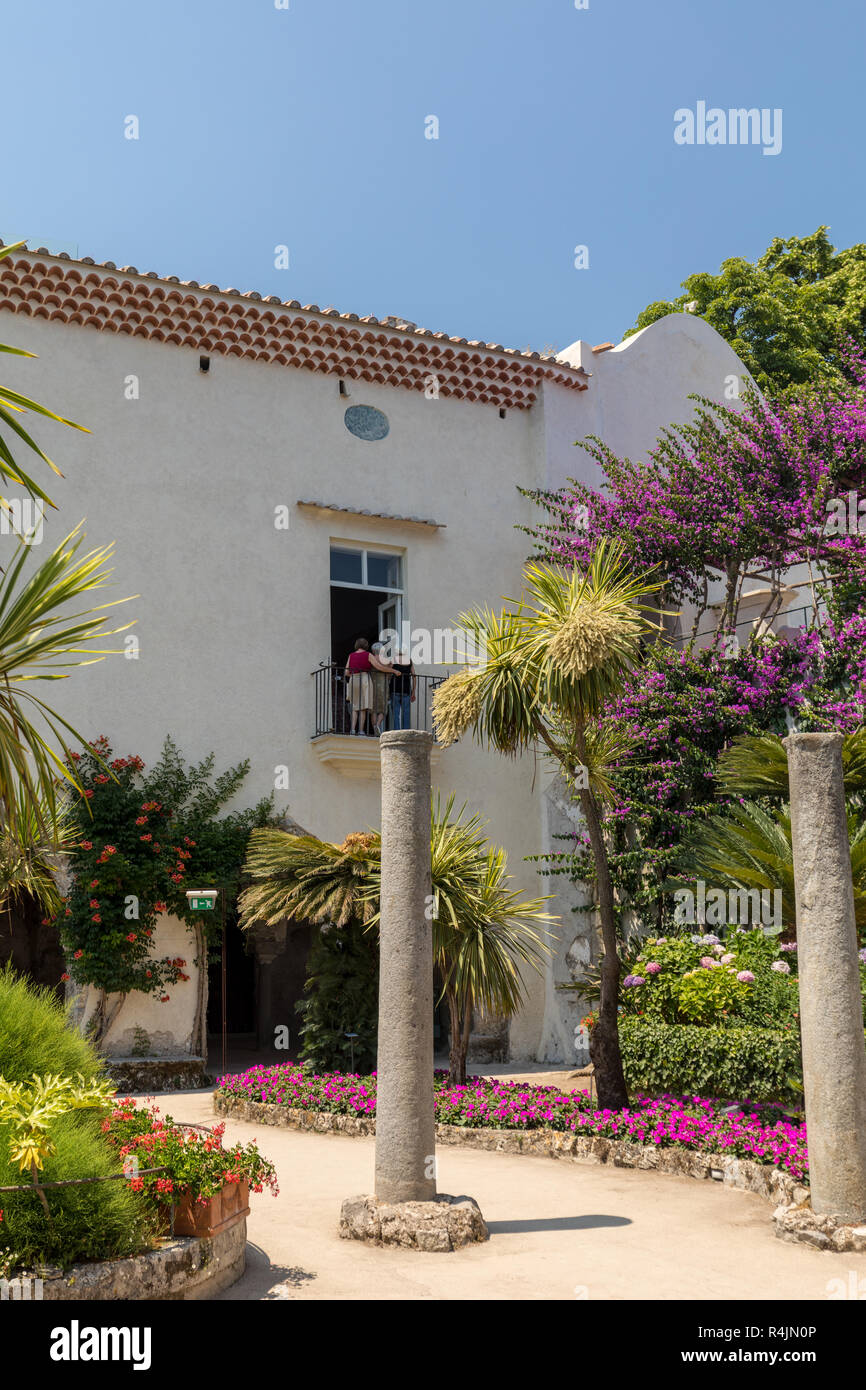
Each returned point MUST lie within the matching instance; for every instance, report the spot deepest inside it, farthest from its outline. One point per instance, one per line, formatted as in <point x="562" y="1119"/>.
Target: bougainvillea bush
<point x="196" y="1160"/>
<point x="144" y="838"/>
<point x="739" y="493"/>
<point x="678" y="714"/>
<point x="764" y="1133"/>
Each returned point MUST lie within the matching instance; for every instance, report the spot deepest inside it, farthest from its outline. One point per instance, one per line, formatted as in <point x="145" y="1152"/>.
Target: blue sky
<point x="305" y="127"/>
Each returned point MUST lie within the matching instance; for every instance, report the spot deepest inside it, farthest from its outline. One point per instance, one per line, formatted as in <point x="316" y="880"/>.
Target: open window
<point x="366" y="596"/>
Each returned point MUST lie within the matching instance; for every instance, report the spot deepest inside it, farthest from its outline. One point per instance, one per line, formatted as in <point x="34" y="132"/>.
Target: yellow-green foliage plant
<point x="89" y="1221"/>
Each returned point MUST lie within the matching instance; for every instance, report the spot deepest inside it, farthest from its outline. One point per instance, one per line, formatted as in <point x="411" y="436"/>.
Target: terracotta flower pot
<point x="226" y="1208"/>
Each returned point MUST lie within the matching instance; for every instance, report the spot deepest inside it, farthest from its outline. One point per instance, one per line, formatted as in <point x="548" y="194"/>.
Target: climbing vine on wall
<point x="144" y="838"/>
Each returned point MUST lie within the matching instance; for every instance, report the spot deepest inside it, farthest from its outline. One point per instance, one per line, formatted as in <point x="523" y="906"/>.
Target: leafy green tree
<point x="784" y="315"/>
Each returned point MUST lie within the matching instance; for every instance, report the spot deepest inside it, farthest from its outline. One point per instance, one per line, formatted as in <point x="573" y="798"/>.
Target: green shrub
<point x="732" y="1062"/>
<point x="341" y="996"/>
<point x="34" y="1036"/>
<point x="95" y="1220"/>
<point x="705" y="994"/>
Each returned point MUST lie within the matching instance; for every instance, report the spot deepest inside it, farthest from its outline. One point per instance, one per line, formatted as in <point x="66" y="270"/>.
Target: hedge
<point x="745" y="1063"/>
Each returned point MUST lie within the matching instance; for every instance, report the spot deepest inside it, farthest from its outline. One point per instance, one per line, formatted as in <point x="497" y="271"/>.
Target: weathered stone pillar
<point x="405" y="1130"/>
<point x="834" y="1055"/>
<point x="406" y="1209"/>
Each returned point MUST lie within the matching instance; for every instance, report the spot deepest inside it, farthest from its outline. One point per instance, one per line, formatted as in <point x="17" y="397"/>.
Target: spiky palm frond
<point x="582" y="629"/>
<point x="42" y="640"/>
<point x="556" y="655"/>
<point x="750" y="848"/>
<point x="29" y="855"/>
<point x="483" y="929"/>
<point x="497" y="932"/>
<point x="301" y="878"/>
<point x="758" y="766"/>
<point x="497" y="700"/>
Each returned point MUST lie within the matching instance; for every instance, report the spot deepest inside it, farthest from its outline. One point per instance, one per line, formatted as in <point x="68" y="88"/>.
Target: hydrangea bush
<point x="747" y="977"/>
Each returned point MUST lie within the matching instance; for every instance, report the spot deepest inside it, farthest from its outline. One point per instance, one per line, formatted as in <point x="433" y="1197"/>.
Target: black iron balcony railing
<point x="334" y="713"/>
<point x="750" y="627"/>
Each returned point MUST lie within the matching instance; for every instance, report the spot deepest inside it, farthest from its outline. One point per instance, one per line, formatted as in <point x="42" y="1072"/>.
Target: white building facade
<point x="280" y="479"/>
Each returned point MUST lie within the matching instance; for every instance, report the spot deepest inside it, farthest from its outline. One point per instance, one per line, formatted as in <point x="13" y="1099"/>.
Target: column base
<point x="801" y="1223"/>
<point x="446" y="1223"/>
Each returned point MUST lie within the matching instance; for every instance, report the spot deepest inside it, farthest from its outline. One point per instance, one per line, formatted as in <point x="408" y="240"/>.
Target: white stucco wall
<point x="169" y="1026"/>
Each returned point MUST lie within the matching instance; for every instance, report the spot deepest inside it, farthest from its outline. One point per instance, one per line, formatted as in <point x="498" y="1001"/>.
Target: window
<point x="366" y="569"/>
<point x="347" y="566"/>
<point x="366" y="596"/>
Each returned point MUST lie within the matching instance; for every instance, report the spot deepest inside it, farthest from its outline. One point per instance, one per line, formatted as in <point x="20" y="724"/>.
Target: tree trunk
<point x="604" y="1037"/>
<point x="458" y="1042"/>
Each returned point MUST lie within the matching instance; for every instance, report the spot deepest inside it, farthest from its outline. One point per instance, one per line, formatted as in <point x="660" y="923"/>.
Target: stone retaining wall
<point x="150" y="1076"/>
<point x="182" y="1269"/>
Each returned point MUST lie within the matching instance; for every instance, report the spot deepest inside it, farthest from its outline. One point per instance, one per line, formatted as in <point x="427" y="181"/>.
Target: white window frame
<point x="364" y="550"/>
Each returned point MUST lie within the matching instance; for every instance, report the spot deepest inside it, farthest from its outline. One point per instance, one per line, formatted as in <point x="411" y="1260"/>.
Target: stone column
<point x="834" y="1055"/>
<point x="405" y="1131"/>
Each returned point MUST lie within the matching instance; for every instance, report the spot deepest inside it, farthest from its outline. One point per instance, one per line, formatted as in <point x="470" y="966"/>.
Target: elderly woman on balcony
<point x="367" y="678"/>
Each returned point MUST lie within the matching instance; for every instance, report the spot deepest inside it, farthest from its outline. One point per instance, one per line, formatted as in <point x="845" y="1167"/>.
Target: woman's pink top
<point x="359" y="661"/>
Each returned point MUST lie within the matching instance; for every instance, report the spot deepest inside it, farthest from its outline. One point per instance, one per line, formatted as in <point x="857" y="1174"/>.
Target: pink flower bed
<point x="760" y="1132"/>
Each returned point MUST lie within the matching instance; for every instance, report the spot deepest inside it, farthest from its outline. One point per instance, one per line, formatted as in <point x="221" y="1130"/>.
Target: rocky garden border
<point x="180" y="1269"/>
<point x="793" y="1218"/>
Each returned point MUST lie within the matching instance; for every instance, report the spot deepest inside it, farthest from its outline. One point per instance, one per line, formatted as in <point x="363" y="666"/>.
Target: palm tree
<point x="483" y="930"/>
<point x="748" y="844"/>
<point x="553" y="660"/>
<point x="41" y="639"/>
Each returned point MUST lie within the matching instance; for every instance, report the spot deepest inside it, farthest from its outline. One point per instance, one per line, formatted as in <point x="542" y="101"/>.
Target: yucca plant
<point x="42" y="638"/>
<point x="29" y="856"/>
<point x="554" y="658"/>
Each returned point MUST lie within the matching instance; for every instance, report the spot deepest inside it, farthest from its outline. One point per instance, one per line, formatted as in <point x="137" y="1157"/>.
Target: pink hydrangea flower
<point x="745" y="977"/>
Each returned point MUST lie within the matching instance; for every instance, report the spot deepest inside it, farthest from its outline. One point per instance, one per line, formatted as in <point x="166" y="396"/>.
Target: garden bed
<point x="522" y="1118"/>
<point x="745" y="1174"/>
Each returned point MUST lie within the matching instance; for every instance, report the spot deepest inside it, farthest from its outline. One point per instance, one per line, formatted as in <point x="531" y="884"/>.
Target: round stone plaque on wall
<point x="366" y="422"/>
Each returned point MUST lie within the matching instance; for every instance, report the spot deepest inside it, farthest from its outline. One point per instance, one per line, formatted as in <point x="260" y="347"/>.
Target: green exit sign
<point x="202" y="901"/>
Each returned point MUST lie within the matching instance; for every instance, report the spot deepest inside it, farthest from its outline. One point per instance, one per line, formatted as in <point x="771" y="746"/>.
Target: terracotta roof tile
<point x="56" y="287"/>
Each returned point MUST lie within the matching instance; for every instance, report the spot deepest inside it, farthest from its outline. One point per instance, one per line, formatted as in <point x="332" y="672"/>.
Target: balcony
<point x="357" y="755"/>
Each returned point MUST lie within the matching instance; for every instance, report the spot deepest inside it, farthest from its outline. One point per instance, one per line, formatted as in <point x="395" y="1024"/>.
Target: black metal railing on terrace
<point x="334" y="713"/>
<point x="788" y="618"/>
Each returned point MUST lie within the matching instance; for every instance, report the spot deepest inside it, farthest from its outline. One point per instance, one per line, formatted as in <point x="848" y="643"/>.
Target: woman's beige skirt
<point x="360" y="690"/>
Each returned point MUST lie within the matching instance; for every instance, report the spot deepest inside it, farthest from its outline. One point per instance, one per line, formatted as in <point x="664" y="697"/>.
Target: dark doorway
<point x="31" y="944"/>
<point x="354" y="614"/>
<point x="240" y="983"/>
